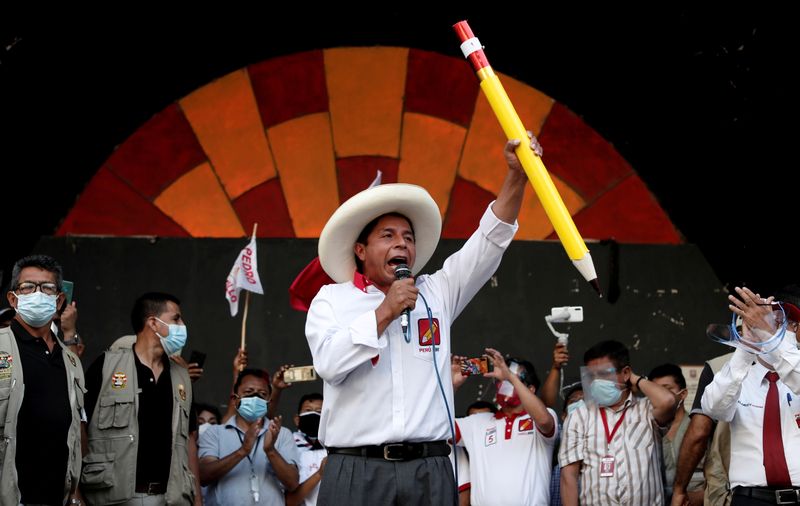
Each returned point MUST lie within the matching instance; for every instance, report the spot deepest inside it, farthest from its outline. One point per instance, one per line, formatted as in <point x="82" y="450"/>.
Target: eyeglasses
<point x="29" y="287"/>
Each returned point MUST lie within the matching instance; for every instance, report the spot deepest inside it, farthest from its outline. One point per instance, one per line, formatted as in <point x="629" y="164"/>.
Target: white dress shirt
<point x="738" y="395"/>
<point x="378" y="388"/>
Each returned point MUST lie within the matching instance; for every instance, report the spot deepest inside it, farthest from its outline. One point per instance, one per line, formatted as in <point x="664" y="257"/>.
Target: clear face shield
<point x="760" y="332"/>
<point x="600" y="385"/>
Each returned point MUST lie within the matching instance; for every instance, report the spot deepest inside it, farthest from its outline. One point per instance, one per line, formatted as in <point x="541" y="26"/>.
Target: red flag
<point x="307" y="284"/>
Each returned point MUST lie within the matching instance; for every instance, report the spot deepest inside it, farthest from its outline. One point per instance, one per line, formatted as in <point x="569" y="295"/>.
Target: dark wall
<point x="666" y="295"/>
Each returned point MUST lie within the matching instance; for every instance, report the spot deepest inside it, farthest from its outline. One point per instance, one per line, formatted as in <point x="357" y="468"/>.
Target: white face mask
<point x="202" y="428"/>
<point x="37" y="308"/>
<point x="175" y="339"/>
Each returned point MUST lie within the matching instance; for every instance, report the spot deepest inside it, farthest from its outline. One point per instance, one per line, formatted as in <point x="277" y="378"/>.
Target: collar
<point x="631" y="400"/>
<point x="513" y="416"/>
<point x="231" y="424"/>
<point x="164" y="359"/>
<point x="22" y="333"/>
<point x="361" y="281"/>
<point x="760" y="372"/>
<point x="313" y="444"/>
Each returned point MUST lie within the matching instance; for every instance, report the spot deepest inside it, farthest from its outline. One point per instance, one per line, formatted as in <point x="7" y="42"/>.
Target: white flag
<point x="243" y="276"/>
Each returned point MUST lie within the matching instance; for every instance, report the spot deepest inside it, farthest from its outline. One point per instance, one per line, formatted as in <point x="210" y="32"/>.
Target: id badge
<point x="607" y="466"/>
<point x="254" y="487"/>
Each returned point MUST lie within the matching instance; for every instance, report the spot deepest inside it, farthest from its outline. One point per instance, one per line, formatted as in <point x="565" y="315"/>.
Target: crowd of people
<point x="128" y="430"/>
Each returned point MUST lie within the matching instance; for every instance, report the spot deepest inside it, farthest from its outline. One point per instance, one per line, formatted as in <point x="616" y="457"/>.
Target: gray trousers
<point x="361" y="481"/>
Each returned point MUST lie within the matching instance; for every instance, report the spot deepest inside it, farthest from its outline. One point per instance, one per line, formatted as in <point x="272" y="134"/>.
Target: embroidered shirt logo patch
<point x="119" y="380"/>
<point x="425" y="339"/>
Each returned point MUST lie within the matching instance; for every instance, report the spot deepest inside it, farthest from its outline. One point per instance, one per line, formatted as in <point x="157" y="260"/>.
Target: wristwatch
<point x="639" y="381"/>
<point x="76" y="339"/>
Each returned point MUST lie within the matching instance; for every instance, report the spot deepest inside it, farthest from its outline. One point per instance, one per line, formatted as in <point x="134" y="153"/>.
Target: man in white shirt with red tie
<point x="511" y="451"/>
<point x="758" y="393"/>
<point x="386" y="417"/>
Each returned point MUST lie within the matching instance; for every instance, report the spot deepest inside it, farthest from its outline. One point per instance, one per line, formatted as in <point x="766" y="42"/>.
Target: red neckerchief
<point x="361" y="281"/>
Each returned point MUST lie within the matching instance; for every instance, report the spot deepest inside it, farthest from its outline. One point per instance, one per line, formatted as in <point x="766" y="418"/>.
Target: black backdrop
<point x="699" y="98"/>
<point x="661" y="299"/>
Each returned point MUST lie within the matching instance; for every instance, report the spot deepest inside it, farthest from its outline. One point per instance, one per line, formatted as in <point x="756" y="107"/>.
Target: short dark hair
<point x="665" y="370"/>
<point x="482" y="405"/>
<point x="199" y="407"/>
<point x="614" y="350"/>
<point x="528" y="375"/>
<point x="44" y="262"/>
<point x="147" y="305"/>
<point x="258" y="373"/>
<point x="314" y="396"/>
<point x="369" y="227"/>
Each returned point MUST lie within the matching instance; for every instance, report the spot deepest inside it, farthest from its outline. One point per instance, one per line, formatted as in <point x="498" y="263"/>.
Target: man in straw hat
<point x="384" y="421"/>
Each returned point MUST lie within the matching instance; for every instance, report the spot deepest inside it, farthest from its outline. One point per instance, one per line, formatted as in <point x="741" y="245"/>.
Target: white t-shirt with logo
<point x="510" y="461"/>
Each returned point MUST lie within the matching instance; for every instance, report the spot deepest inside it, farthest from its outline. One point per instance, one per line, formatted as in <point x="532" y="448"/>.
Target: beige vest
<point x="12" y="390"/>
<point x="718" y="457"/>
<point x="109" y="469"/>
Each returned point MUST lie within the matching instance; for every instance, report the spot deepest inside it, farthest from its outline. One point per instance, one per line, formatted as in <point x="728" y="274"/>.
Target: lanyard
<point x="255" y="448"/>
<point x="254" y="483"/>
<point x="610" y="436"/>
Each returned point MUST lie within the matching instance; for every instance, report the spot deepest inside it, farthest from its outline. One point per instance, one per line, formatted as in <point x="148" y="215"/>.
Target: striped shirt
<point x="636" y="448"/>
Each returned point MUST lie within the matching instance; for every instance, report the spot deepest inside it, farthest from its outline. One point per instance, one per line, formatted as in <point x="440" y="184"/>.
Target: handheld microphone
<point x="402" y="272"/>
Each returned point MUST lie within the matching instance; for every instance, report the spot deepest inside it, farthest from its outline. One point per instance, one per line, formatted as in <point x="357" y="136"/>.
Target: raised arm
<point x="720" y="396"/>
<point x="663" y="401"/>
<point x="551" y="384"/>
<point x="509" y="200"/>
<point x="532" y="404"/>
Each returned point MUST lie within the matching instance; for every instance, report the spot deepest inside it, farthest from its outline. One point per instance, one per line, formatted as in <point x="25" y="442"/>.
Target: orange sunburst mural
<point x="284" y="141"/>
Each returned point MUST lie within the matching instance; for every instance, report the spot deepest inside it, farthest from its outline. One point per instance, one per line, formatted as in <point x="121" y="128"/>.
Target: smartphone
<point x="474" y="366"/>
<point x="67" y="288"/>
<point x="197" y="357"/>
<point x="302" y="373"/>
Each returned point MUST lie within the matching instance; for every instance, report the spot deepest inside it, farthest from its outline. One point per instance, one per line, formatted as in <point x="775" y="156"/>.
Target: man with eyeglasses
<point x="249" y="459"/>
<point x="41" y="409"/>
<point x="142" y="429"/>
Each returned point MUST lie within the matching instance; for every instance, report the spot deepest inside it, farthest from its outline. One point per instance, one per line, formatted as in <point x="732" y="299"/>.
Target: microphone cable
<point x="441" y="389"/>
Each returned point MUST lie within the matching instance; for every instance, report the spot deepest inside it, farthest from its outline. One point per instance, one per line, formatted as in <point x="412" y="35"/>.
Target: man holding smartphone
<point x="510" y="452"/>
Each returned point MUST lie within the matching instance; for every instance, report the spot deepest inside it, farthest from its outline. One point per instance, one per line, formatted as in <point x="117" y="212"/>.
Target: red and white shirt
<point x="510" y="460"/>
<point x="379" y="388"/>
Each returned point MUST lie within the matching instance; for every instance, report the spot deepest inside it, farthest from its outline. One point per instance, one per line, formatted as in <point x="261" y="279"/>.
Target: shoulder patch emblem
<point x="6" y="365"/>
<point x="119" y="380"/>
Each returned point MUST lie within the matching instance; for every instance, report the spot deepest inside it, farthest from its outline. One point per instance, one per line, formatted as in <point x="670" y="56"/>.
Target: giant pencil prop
<point x="534" y="168"/>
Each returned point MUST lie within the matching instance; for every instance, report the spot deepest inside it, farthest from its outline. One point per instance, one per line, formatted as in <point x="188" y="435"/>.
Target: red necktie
<point x="774" y="458"/>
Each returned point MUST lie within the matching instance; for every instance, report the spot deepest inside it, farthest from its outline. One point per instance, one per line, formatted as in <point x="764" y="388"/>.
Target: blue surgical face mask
<point x="37" y="308"/>
<point x="605" y="392"/>
<point x="175" y="340"/>
<point x="575" y="405"/>
<point x="252" y="408"/>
